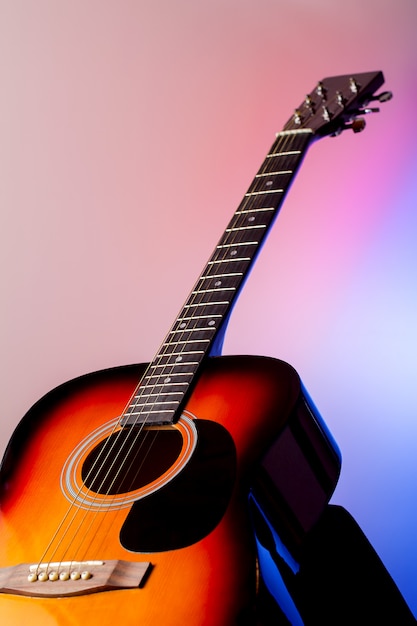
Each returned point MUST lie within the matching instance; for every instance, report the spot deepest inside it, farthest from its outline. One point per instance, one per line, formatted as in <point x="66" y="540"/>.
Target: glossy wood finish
<point x="208" y="583"/>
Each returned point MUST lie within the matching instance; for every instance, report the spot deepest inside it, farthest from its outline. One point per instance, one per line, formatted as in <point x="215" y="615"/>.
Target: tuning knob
<point x="357" y="125"/>
<point x="354" y="87"/>
<point x="326" y="114"/>
<point x="309" y="103"/>
<point x="382" y="97"/>
<point x="385" y="96"/>
<point x="340" y="99"/>
<point x="321" y="90"/>
<point x="297" y="117"/>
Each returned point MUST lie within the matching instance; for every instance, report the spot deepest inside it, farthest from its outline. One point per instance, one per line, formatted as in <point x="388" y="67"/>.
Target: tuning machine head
<point x="358" y="124"/>
<point x="382" y="97"/>
<point x="385" y="96"/>
<point x="339" y="102"/>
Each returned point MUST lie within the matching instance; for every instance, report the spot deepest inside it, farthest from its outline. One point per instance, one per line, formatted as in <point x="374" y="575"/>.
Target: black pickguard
<point x="192" y="504"/>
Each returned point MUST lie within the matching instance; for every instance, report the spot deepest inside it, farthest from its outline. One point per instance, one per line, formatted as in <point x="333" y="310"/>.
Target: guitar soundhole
<point x="130" y="459"/>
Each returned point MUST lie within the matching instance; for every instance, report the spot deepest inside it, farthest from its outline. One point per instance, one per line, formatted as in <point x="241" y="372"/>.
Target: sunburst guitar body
<point x="188" y="532"/>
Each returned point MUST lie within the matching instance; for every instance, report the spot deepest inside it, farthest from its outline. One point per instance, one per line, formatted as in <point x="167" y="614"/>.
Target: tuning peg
<point x="340" y="99"/>
<point x="385" y="96"/>
<point x="368" y="110"/>
<point x="357" y="125"/>
<point x="382" y="97"/>
<point x="321" y="90"/>
<point x="354" y="86"/>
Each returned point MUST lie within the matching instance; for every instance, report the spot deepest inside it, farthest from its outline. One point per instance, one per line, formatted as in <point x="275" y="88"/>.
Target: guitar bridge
<point x="72" y="578"/>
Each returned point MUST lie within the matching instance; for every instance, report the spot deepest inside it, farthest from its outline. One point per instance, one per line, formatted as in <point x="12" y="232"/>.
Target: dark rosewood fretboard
<point x="199" y="328"/>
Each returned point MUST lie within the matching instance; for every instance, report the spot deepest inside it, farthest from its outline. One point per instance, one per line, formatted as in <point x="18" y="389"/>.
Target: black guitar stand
<point x="337" y="578"/>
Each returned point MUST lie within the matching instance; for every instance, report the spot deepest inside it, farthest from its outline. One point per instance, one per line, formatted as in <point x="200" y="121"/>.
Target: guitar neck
<point x="198" y="330"/>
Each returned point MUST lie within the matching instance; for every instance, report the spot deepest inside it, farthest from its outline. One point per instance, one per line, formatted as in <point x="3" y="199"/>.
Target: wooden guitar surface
<point x="210" y="582"/>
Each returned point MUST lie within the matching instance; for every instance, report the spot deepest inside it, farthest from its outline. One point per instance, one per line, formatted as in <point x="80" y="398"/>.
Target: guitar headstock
<point x="335" y="104"/>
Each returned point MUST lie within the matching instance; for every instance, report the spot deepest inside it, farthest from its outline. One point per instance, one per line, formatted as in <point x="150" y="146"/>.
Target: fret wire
<point x="214" y="290"/>
<point x="160" y="369"/>
<point x="178" y="364"/>
<point x="153" y="411"/>
<point x="189" y="306"/>
<point x="206" y="298"/>
<point x="178" y="383"/>
<point x="182" y="353"/>
<point x="255" y="210"/>
<point x="174" y="383"/>
<point x="277" y="173"/>
<point x="234" y="260"/>
<point x="194" y="330"/>
<point x="159" y="403"/>
<point x="178" y="353"/>
<point x="245" y="228"/>
<point x="237" y="244"/>
<point x="188" y="341"/>
<point x="279" y="154"/>
<point x="181" y="319"/>
<point x="149" y="395"/>
<point x="158" y="376"/>
<point x="230" y="274"/>
<point x="259" y="193"/>
<point x="149" y="411"/>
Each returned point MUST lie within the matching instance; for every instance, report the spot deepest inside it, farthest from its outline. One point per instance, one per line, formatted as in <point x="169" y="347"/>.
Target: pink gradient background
<point x="129" y="132"/>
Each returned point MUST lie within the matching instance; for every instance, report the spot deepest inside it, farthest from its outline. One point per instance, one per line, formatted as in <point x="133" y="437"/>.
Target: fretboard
<point x="198" y="330"/>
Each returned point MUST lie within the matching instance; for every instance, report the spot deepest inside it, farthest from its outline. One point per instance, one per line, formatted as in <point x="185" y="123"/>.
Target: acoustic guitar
<point x="125" y="492"/>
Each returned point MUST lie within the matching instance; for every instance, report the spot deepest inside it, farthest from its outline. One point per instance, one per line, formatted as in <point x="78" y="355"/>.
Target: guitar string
<point x="106" y="451"/>
<point x="157" y="383"/>
<point x="237" y="221"/>
<point x="255" y="187"/>
<point x="214" y="274"/>
<point x="243" y="207"/>
<point x="227" y="309"/>
<point x="197" y="293"/>
<point x="91" y="519"/>
<point x="163" y="374"/>
<point x="120" y="451"/>
<point x="75" y="506"/>
<point x="86" y="511"/>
